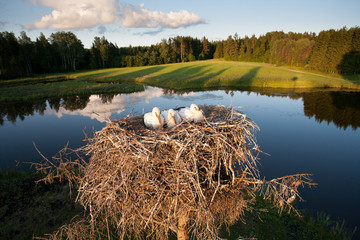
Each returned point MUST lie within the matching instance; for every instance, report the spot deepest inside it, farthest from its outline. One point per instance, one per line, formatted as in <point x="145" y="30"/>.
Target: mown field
<point x="210" y="74"/>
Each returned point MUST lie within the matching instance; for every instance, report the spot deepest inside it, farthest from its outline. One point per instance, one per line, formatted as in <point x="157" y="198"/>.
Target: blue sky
<point x="147" y="22"/>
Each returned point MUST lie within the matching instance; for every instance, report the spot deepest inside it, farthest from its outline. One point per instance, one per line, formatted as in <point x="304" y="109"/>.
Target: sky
<point x="146" y="22"/>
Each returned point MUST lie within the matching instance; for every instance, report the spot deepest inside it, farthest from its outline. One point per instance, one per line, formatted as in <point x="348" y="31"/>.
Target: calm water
<point x="314" y="132"/>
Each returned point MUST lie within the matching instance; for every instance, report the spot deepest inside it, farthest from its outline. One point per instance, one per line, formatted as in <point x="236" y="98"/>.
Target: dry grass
<point x="192" y="178"/>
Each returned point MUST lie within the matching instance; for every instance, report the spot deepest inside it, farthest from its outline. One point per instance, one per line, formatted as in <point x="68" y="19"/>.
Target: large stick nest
<point x="139" y="179"/>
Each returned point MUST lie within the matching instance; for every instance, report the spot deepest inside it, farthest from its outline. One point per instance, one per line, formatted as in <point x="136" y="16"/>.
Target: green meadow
<point x="199" y="75"/>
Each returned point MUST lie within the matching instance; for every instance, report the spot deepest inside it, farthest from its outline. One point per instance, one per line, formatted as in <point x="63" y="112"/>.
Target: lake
<point x="315" y="132"/>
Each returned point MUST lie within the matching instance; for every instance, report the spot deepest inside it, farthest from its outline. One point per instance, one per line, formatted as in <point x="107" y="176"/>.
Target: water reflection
<point x="19" y="110"/>
<point x="340" y="108"/>
<point x="101" y="107"/>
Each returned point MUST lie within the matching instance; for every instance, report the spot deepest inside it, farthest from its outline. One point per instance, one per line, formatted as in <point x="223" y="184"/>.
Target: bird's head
<point x="156" y="111"/>
<point x="171" y="113"/>
<point x="194" y="107"/>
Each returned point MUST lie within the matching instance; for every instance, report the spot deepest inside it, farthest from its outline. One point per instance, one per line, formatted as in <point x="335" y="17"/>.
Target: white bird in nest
<point x="171" y="117"/>
<point x="154" y="119"/>
<point x="191" y="114"/>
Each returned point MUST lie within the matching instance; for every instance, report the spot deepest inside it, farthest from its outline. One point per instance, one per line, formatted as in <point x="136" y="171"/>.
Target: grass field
<point x="179" y="76"/>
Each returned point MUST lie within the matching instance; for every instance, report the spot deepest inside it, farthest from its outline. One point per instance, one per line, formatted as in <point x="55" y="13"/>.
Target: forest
<point x="330" y="51"/>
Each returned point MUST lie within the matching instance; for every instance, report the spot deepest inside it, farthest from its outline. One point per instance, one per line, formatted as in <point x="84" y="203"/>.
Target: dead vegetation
<point x="188" y="180"/>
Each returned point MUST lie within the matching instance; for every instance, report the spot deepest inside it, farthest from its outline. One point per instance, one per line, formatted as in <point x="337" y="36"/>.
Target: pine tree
<point x="318" y="58"/>
<point x="219" y="52"/>
<point x="205" y="49"/>
<point x="9" y="58"/>
<point x="44" y="59"/>
<point x="27" y="52"/>
<point x="182" y="49"/>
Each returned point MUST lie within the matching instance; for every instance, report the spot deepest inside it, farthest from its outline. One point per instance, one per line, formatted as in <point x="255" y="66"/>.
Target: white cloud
<point x="140" y="17"/>
<point x="69" y="14"/>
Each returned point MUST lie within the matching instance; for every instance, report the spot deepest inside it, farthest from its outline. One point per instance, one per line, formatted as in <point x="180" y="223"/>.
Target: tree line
<point x="105" y="54"/>
<point x="63" y="52"/>
<point x="20" y="57"/>
<point x="333" y="51"/>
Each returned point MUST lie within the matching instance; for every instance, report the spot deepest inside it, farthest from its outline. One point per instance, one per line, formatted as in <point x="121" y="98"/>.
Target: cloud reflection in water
<point x="97" y="109"/>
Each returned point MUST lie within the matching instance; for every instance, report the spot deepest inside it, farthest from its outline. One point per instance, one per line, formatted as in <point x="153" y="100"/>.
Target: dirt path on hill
<point x="320" y="75"/>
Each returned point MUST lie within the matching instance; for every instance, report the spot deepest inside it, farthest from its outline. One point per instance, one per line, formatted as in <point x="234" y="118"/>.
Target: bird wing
<point x="162" y="120"/>
<point x="148" y="119"/>
<point x="177" y="117"/>
<point x="164" y="115"/>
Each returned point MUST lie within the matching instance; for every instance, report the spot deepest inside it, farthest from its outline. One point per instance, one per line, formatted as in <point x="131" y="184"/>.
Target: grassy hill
<point x="179" y="76"/>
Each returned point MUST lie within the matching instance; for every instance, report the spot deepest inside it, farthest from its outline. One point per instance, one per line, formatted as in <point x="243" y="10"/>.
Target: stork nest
<point x="140" y="180"/>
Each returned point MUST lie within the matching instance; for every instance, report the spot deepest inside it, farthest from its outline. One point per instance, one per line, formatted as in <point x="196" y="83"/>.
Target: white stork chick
<point x="153" y="119"/>
<point x="191" y="114"/>
<point x="171" y="117"/>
